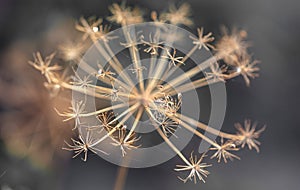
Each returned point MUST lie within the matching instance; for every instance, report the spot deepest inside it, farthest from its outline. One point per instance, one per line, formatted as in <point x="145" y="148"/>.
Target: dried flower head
<point x="222" y="151"/>
<point x="174" y="61"/>
<point x="247" y="135"/>
<point x="83" y="145"/>
<point x="81" y="82"/>
<point x="233" y="43"/>
<point x="196" y="167"/>
<point x="178" y="15"/>
<point x="158" y="92"/>
<point x="106" y="119"/>
<point x="247" y="68"/>
<point x="104" y="73"/>
<point x="125" y="15"/>
<point x="43" y="65"/>
<point x="72" y="51"/>
<point x="93" y="28"/>
<point x="169" y="126"/>
<point x="217" y="73"/>
<point x="203" y="40"/>
<point x="76" y="109"/>
<point x="153" y="45"/>
<point x="125" y="141"/>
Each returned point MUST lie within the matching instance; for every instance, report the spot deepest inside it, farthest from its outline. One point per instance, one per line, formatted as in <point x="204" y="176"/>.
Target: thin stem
<point x="189" y="53"/>
<point x="135" y="58"/>
<point x="191" y="73"/>
<point x="101" y="89"/>
<point x="188" y="127"/>
<point x="160" y="67"/>
<point x="121" y="178"/>
<point x="205" y="127"/>
<point x="84" y="91"/>
<point x="152" y="63"/>
<point x="161" y="133"/>
<point x="137" y="119"/>
<point x="115" y="59"/>
<point x="114" y="66"/>
<point x="104" y="110"/>
<point x="187" y="87"/>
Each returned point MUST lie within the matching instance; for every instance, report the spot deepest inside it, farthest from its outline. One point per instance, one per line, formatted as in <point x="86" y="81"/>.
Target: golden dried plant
<point x="154" y="98"/>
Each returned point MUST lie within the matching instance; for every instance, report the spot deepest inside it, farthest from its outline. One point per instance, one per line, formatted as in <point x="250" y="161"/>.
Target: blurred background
<point x="31" y="134"/>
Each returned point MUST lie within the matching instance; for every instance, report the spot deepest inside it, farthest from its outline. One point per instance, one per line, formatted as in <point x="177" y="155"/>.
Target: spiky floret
<point x="72" y="51"/>
<point x="76" y="109"/>
<point x="93" y="28"/>
<point x="124" y="15"/>
<point x="248" y="135"/>
<point x="217" y="73"/>
<point x="174" y="60"/>
<point x="196" y="167"/>
<point x="246" y="67"/>
<point x="81" y="82"/>
<point x="203" y="40"/>
<point x="104" y="73"/>
<point x="222" y="151"/>
<point x="44" y="65"/>
<point x="83" y="145"/>
<point x="169" y="126"/>
<point x="125" y="142"/>
<point x="178" y="16"/>
<point x="232" y="43"/>
<point x="153" y="44"/>
<point x="107" y="119"/>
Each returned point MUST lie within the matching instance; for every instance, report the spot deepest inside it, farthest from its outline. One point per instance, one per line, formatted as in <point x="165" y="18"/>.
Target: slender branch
<point x="124" y="74"/>
<point x="101" y="89"/>
<point x="115" y="66"/>
<point x="159" y="69"/>
<point x="187" y="87"/>
<point x="161" y="133"/>
<point x="205" y="127"/>
<point x="84" y="91"/>
<point x="188" y="127"/>
<point x="137" y="119"/>
<point x="104" y="110"/>
<point x="135" y="58"/>
<point x="189" y="53"/>
<point x="121" y="178"/>
<point x="192" y="72"/>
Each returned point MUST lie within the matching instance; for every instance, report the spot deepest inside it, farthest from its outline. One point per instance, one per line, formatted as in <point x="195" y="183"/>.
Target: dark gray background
<point x="272" y="99"/>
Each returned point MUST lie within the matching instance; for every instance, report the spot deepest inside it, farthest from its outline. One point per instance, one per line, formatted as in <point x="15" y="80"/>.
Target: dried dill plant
<point x="154" y="98"/>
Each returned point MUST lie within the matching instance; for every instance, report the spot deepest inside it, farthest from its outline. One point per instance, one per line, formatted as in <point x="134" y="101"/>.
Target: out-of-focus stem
<point x="121" y="178"/>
